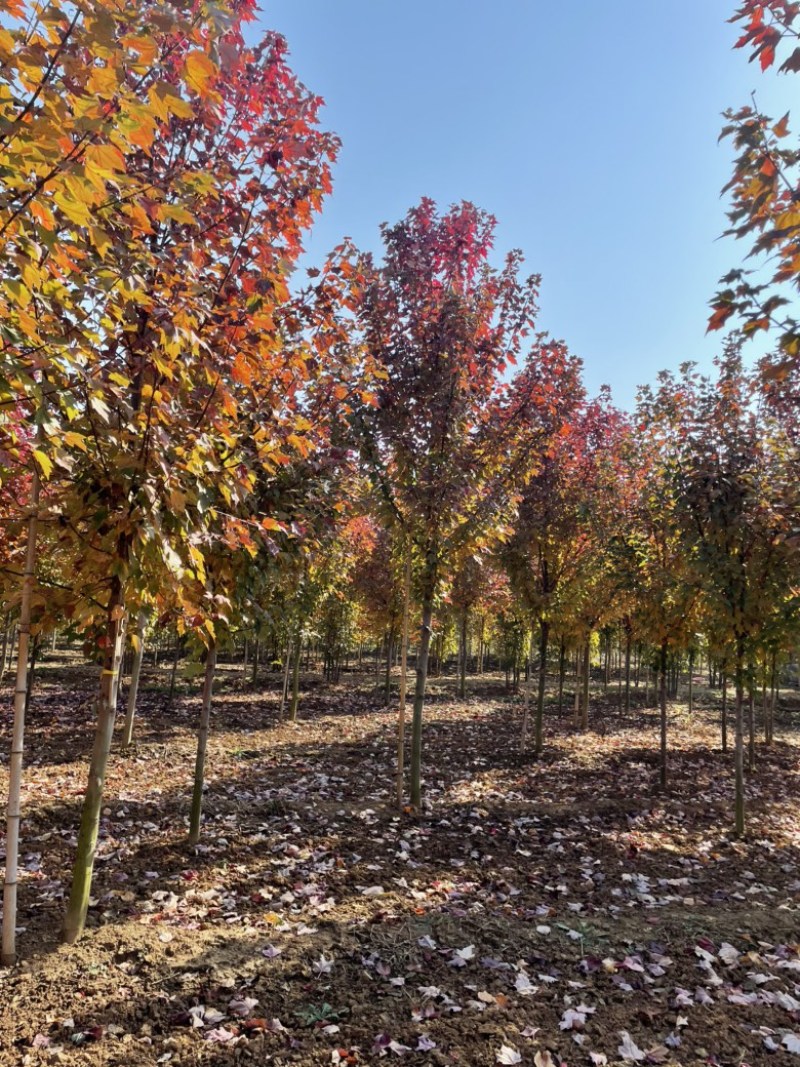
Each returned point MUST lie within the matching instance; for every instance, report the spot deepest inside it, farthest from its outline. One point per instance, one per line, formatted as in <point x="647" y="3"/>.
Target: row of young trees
<point x="188" y="441"/>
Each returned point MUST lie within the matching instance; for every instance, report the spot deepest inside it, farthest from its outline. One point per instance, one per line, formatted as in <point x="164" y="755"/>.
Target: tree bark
<point x="133" y="692"/>
<point x="256" y="653"/>
<point x="576" y="705"/>
<point x="202" y="746"/>
<point x="285" y="685"/>
<point x="298" y="652"/>
<point x="562" y="664"/>
<point x="75" y="918"/>
<point x="739" y="816"/>
<point x="587" y="667"/>
<point x="724" y="714"/>
<point x="401" y="707"/>
<point x="544" y="638"/>
<point x="36" y="647"/>
<point x="462" y="685"/>
<point x="4" y="650"/>
<point x="176" y="655"/>
<point x="13" y="810"/>
<point x="387" y="681"/>
<point x="423" y="652"/>
<point x="662" y="700"/>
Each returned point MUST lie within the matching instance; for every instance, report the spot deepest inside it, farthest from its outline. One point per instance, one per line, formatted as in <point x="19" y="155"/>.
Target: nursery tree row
<point x="386" y="453"/>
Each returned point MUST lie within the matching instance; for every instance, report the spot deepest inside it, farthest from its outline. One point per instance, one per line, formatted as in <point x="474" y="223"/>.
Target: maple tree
<point x="220" y="169"/>
<point x="764" y="191"/>
<point x="732" y="494"/>
<point x="445" y="445"/>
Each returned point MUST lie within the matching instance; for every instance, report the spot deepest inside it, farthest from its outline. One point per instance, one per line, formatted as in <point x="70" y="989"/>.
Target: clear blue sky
<point x="590" y="131"/>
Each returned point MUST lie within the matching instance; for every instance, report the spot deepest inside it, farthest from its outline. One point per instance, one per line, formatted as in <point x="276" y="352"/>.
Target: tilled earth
<point x="549" y="912"/>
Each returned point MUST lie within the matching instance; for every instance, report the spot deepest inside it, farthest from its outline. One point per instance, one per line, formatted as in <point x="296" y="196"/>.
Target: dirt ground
<point x="549" y="912"/>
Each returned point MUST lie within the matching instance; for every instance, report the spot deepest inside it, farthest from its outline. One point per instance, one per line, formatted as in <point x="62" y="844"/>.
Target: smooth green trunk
<point x="401" y="708"/>
<point x="544" y="638"/>
<point x="662" y="701"/>
<point x="423" y="653"/>
<point x="202" y="746"/>
<point x="82" y="872"/>
<point x="587" y="667"/>
<point x="298" y="652"/>
<point x="739" y="814"/>
<point x="136" y="671"/>
<point x="13" y="810"/>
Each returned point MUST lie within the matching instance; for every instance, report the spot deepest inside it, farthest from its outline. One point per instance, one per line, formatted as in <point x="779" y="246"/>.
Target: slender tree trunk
<point x="764" y="702"/>
<point x="387" y="681"/>
<point x="256" y="654"/>
<point x="544" y="638"/>
<point x="77" y="908"/>
<point x="691" y="682"/>
<point x="245" y="653"/>
<point x="401" y="707"/>
<point x="423" y="651"/>
<point x="298" y="652"/>
<point x="176" y="655"/>
<point x="562" y="664"/>
<point x="13" y="810"/>
<point x="739" y="750"/>
<point x="627" y="674"/>
<point x="751" y="724"/>
<point x="647" y="686"/>
<point x="36" y="646"/>
<point x="133" y="692"/>
<point x="662" y="699"/>
<point x="4" y="650"/>
<point x="638" y="666"/>
<point x="526" y="706"/>
<point x="770" y="732"/>
<point x="724" y="716"/>
<point x="202" y="745"/>
<point x="285" y="685"/>
<point x="576" y="705"/>
<point x="587" y="667"/>
<point x="462" y="684"/>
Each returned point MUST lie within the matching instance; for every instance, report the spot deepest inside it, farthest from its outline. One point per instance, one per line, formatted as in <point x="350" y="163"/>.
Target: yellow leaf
<point x="103" y="82"/>
<point x="74" y="440"/>
<point x="145" y="47"/>
<point x="75" y="210"/>
<point x="100" y="239"/>
<point x="105" y="157"/>
<point x="174" y="212"/>
<point x="199" y="71"/>
<point x="44" y="461"/>
<point x="164" y="101"/>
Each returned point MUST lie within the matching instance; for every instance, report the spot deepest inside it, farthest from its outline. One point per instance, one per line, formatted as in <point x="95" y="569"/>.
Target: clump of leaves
<point x="312" y="1014"/>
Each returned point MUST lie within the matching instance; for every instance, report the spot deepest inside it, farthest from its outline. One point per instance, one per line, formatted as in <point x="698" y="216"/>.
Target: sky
<point x="589" y="130"/>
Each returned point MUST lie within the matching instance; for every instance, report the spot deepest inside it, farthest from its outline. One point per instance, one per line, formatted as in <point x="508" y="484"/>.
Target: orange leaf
<point x="767" y="168"/>
<point x="781" y="129"/>
<point x="241" y="370"/>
